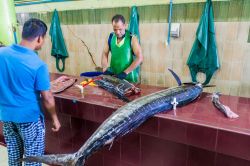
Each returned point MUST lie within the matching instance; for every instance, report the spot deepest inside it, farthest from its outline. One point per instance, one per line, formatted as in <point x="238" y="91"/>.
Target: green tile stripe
<point x="226" y="11"/>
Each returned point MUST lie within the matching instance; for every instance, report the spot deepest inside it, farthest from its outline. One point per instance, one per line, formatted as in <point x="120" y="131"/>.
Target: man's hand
<point x="56" y="125"/>
<point x="105" y="55"/>
<point x="122" y="75"/>
<point x="108" y="72"/>
<point x="49" y="105"/>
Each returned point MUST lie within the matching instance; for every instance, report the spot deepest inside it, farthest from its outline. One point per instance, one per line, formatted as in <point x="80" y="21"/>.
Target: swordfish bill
<point x="124" y="120"/>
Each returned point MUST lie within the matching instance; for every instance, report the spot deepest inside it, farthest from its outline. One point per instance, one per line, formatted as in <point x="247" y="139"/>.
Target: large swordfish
<point x="123" y="121"/>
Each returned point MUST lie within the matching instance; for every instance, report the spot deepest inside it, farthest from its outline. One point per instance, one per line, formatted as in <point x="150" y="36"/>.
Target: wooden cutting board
<point x="61" y="84"/>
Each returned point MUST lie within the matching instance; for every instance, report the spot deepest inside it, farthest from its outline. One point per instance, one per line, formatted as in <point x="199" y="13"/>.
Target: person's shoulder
<point x="40" y="66"/>
<point x="36" y="61"/>
<point x="132" y="35"/>
<point x="43" y="65"/>
<point x="5" y="48"/>
<point x="40" y="61"/>
<point x="6" y="51"/>
<point x="134" y="38"/>
<point x="110" y="35"/>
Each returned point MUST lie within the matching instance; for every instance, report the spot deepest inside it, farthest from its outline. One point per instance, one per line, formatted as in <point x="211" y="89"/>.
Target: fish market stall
<point x="197" y="130"/>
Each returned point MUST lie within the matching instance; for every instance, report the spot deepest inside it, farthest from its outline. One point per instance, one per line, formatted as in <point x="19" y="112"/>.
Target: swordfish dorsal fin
<point x="178" y="80"/>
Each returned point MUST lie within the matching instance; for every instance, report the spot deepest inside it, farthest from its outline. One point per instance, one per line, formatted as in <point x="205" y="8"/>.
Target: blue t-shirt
<point x="22" y="76"/>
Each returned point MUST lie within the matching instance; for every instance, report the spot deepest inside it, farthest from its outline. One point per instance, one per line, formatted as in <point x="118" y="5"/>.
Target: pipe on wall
<point x="24" y="3"/>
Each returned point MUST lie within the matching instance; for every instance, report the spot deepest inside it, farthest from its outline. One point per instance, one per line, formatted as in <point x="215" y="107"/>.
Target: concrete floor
<point x="4" y="158"/>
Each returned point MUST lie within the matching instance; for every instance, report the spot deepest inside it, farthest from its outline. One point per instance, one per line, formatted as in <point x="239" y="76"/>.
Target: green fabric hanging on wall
<point x="134" y="22"/>
<point x="134" y="29"/>
<point x="203" y="56"/>
<point x="59" y="50"/>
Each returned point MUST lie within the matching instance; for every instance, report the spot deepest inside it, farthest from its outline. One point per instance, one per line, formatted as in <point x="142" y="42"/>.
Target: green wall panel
<point x="179" y="13"/>
<point x="221" y="10"/>
<point x="151" y="14"/>
<point x="246" y="10"/>
<point x="85" y="16"/>
<point x="234" y="10"/>
<point x="164" y="12"/>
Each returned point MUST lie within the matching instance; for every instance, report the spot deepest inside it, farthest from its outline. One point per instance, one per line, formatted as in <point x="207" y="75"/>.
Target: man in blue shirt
<point x="24" y="87"/>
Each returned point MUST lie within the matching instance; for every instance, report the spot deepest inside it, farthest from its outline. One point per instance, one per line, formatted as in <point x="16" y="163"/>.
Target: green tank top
<point x="122" y="57"/>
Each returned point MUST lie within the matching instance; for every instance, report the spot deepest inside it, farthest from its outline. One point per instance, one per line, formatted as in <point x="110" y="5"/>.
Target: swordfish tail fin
<point x="57" y="159"/>
<point x="178" y="80"/>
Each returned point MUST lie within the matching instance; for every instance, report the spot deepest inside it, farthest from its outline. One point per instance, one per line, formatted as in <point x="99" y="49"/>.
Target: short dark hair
<point x="34" y="28"/>
<point x="118" y="17"/>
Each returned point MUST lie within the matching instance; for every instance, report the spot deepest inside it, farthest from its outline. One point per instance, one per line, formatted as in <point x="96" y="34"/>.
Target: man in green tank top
<point x="123" y="46"/>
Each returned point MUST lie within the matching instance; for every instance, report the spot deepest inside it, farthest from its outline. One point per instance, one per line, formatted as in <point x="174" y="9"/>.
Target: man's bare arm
<point x="105" y="54"/>
<point x="48" y="102"/>
<point x="138" y="53"/>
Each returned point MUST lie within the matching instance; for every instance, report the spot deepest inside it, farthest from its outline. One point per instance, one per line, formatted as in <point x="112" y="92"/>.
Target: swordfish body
<point x="124" y="120"/>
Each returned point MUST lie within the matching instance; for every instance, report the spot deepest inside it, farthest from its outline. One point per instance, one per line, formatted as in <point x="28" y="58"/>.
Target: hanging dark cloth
<point x="134" y="29"/>
<point x="203" y="56"/>
<point x="59" y="50"/>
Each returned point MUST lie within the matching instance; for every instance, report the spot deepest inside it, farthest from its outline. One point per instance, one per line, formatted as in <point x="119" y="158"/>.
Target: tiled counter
<point x="199" y="135"/>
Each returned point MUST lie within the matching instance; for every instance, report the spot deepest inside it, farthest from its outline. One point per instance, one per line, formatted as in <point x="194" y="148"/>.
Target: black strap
<point x="109" y="40"/>
<point x="131" y="35"/>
